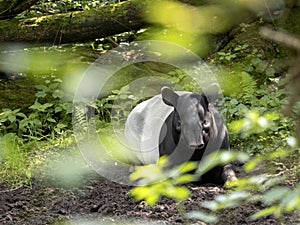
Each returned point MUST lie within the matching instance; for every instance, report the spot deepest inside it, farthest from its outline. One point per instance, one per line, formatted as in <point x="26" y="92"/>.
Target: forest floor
<point x="98" y="201"/>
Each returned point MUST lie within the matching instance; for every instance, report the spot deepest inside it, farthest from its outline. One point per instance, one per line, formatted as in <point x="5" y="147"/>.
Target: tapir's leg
<point x="228" y="173"/>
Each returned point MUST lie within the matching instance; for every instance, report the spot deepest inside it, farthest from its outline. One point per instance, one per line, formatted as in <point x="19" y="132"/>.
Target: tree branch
<point x="75" y="26"/>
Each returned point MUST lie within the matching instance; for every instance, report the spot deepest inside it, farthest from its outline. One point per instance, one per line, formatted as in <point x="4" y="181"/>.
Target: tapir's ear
<point x="169" y="96"/>
<point x="212" y="93"/>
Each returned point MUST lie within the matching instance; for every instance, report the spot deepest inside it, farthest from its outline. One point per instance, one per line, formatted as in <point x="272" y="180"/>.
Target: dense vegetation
<point x="36" y="131"/>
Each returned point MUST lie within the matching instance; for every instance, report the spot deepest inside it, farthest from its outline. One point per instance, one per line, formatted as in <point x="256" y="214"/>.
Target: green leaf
<point x="139" y="193"/>
<point x="40" y="94"/>
<point x="23" y="123"/>
<point x="58" y="94"/>
<point x="151" y="200"/>
<point x="42" y="87"/>
<point x="256" y="61"/>
<point x="57" y="80"/>
<point x="183" y="179"/>
<point x="108" y="106"/>
<point x="53" y="86"/>
<point x="115" y="92"/>
<point x="211" y="205"/>
<point x="274" y="195"/>
<point x="57" y="109"/>
<point x="178" y="193"/>
<point x="36" y="105"/>
<point x="266" y="212"/>
<point x="248" y="68"/>
<point x="270" y="72"/>
<point x="28" y="174"/>
<point x="51" y="120"/>
<point x="37" y="122"/>
<point x="291" y="201"/>
<point x="47" y="105"/>
<point x="12" y="118"/>
<point x="123" y="96"/>
<point x="21" y="115"/>
<point x="68" y="107"/>
<point x="144" y="172"/>
<point x="187" y="167"/>
<point x="198" y="215"/>
<point x="16" y="111"/>
<point x="232" y="200"/>
<point x="221" y="53"/>
<point x="61" y="125"/>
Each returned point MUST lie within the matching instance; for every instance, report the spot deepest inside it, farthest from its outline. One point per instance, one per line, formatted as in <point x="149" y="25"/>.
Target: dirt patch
<point x="106" y="202"/>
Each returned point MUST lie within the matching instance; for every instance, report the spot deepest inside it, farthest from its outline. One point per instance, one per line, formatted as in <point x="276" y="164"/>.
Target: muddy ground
<point x="98" y="201"/>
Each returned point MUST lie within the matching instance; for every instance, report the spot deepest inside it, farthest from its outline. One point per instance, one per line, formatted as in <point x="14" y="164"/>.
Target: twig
<point x="281" y="37"/>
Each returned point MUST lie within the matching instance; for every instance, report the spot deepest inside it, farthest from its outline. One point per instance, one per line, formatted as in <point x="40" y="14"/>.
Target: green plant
<point x="156" y="181"/>
<point x="260" y="69"/>
<point x="249" y="60"/>
<point x="238" y="85"/>
<point x="13" y="161"/>
<point x="9" y="119"/>
<point x="49" y="114"/>
<point x="244" y="26"/>
<point x="271" y="190"/>
<point x="244" y="99"/>
<point x="231" y="54"/>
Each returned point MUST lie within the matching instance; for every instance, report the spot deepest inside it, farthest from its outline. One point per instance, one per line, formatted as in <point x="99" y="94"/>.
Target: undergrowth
<point x="251" y="106"/>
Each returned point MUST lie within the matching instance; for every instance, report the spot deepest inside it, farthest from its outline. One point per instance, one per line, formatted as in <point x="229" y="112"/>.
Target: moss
<point x="17" y="94"/>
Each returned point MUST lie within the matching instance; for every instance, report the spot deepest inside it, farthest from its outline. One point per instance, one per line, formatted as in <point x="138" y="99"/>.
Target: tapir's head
<point x="192" y="119"/>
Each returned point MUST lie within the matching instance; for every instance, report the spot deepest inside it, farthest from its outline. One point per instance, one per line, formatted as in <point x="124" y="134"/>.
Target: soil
<point x="99" y="201"/>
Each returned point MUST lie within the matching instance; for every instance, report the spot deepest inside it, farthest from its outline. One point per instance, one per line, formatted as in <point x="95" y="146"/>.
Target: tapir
<point x="185" y="126"/>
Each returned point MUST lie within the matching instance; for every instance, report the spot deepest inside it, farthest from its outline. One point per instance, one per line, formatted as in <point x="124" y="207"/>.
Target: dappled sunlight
<point x="184" y="18"/>
<point x="92" y="130"/>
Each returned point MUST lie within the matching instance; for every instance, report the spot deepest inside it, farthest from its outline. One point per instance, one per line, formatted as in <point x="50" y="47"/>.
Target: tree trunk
<point x="11" y="8"/>
<point x="75" y="26"/>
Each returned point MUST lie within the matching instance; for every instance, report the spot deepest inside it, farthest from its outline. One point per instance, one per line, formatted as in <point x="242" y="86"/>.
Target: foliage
<point x="13" y="160"/>
<point x="249" y="110"/>
<point x="47" y="7"/>
<point x="49" y="114"/>
<point x="159" y="180"/>
<point x="48" y="118"/>
<point x="238" y="84"/>
<point x="250" y="86"/>
<point x="116" y="106"/>
<point x="250" y="60"/>
<point x="155" y="181"/>
<point x="252" y="111"/>
<point x="232" y="53"/>
<point x="268" y="189"/>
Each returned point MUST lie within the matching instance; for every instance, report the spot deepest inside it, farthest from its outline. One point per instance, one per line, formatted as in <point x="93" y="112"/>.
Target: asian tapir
<point x="183" y="125"/>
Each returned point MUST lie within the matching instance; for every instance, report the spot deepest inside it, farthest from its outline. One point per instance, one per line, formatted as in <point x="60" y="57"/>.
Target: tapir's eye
<point x="205" y="124"/>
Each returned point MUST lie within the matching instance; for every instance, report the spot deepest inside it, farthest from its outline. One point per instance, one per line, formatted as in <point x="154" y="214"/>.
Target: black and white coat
<point x="183" y="125"/>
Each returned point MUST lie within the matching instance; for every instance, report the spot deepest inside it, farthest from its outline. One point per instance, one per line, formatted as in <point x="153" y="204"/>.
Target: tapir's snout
<point x="193" y="135"/>
<point x="197" y="145"/>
